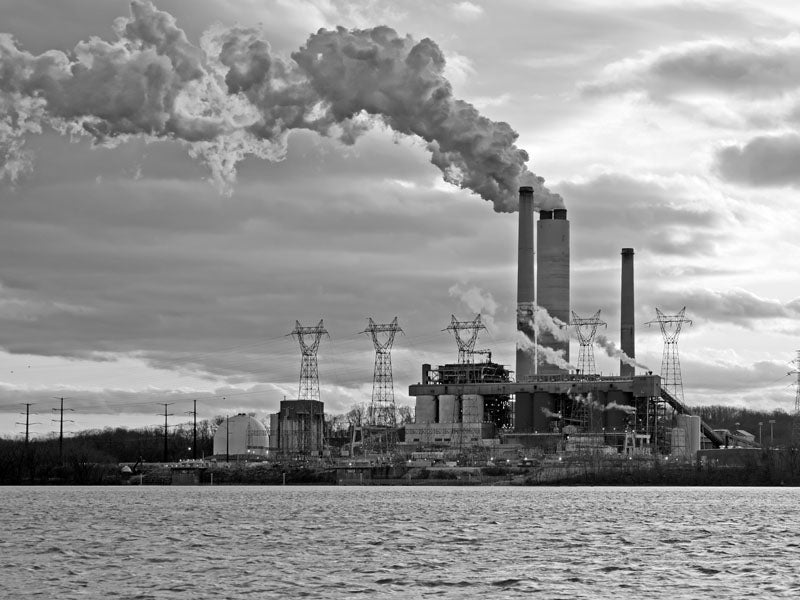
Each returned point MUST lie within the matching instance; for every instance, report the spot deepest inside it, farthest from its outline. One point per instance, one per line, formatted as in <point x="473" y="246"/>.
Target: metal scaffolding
<point x="309" y="373"/>
<point x="670" y="362"/>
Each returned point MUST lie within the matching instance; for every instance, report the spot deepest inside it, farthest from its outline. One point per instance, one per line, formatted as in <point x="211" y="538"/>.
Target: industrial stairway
<point x="679" y="407"/>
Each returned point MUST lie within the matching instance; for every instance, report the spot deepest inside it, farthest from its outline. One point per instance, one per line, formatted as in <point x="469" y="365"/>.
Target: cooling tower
<point x="552" y="283"/>
<point x="627" y="337"/>
<point x="525" y="286"/>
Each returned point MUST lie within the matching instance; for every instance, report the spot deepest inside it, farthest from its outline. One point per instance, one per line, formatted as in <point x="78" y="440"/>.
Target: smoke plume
<point x="612" y="351"/>
<point x="230" y="97"/>
<point x="478" y="301"/>
<point x="626" y="408"/>
<point x="543" y="353"/>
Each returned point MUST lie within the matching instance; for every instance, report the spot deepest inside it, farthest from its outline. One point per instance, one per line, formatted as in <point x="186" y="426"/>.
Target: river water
<point x="399" y="542"/>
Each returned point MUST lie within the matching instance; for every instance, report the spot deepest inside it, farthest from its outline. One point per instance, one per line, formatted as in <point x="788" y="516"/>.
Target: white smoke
<point x="550" y="414"/>
<point x="543" y="353"/>
<point x="232" y="97"/>
<point x="588" y="401"/>
<point x="478" y="301"/>
<point x="613" y="352"/>
<point x="543" y="322"/>
<point x="626" y="408"/>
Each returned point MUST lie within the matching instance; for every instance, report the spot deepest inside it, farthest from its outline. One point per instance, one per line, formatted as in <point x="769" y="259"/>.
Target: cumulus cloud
<point x="763" y="161"/>
<point x="233" y="97"/>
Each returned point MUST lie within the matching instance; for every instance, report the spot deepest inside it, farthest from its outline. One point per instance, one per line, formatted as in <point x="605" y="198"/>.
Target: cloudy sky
<point x="162" y="226"/>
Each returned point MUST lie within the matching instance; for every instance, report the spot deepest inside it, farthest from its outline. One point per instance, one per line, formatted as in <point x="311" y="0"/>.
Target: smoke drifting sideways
<point x="232" y="97"/>
<point x="612" y="351"/>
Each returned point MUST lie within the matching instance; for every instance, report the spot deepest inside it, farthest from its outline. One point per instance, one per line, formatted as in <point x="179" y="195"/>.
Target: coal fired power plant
<point x="548" y="404"/>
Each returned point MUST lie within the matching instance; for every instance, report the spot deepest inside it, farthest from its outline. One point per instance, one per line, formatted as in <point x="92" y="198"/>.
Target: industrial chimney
<point x="525" y="285"/>
<point x="627" y="335"/>
<point x="552" y="280"/>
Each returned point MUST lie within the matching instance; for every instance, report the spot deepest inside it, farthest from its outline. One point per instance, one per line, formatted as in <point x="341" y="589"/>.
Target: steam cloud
<point x="553" y="357"/>
<point x="231" y="97"/>
<point x="612" y="351"/>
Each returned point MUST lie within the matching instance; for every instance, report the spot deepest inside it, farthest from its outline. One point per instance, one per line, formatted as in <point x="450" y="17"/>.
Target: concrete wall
<point x="472" y="408"/>
<point x="425" y="409"/>
<point x="552" y="280"/>
<point x="448" y="409"/>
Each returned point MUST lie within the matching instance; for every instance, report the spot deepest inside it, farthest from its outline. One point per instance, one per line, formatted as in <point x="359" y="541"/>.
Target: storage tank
<point x="240" y="435"/>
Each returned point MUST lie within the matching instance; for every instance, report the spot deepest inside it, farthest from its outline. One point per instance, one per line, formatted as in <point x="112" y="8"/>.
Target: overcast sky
<point x="133" y="272"/>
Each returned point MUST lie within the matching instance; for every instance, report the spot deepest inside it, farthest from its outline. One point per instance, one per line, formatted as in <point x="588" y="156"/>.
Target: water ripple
<point x="329" y="542"/>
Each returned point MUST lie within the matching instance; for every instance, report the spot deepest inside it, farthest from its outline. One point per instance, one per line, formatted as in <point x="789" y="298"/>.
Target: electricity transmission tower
<point x="586" y="329"/>
<point x="796" y="415"/>
<point x="382" y="409"/>
<point x="670" y="363"/>
<point x="466" y="346"/>
<point x="309" y="374"/>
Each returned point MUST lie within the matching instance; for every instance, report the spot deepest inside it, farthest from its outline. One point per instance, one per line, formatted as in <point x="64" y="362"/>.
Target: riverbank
<point x="769" y="468"/>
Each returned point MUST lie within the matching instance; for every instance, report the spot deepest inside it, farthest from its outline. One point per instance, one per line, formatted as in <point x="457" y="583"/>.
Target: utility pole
<point x="194" y="436"/>
<point x="796" y="415"/>
<point x="27" y="423"/>
<point x="228" y="439"/>
<point x="27" y="433"/>
<point x="61" y="430"/>
<point x="166" y="404"/>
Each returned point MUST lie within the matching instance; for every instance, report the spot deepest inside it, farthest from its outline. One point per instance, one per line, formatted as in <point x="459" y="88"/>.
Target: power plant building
<point x="299" y="428"/>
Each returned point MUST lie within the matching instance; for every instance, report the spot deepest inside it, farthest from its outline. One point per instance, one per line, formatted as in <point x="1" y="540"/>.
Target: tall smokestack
<point x="525" y="281"/>
<point x="627" y="335"/>
<point x="552" y="279"/>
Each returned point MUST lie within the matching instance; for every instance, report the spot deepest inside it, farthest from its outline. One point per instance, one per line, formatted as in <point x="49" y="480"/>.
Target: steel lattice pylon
<point x="670" y="362"/>
<point x="466" y="347"/>
<point x="382" y="409"/>
<point x="796" y="415"/>
<point x="586" y="328"/>
<point x="309" y="374"/>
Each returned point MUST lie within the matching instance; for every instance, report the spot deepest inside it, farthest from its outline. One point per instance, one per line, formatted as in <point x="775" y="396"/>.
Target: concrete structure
<point x="552" y="283"/>
<point x="627" y="333"/>
<point x="240" y="436"/>
<point x="299" y="428"/>
<point x="525" y="283"/>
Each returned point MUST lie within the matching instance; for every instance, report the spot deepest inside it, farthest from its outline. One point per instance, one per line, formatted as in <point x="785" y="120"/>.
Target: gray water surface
<point x="399" y="542"/>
